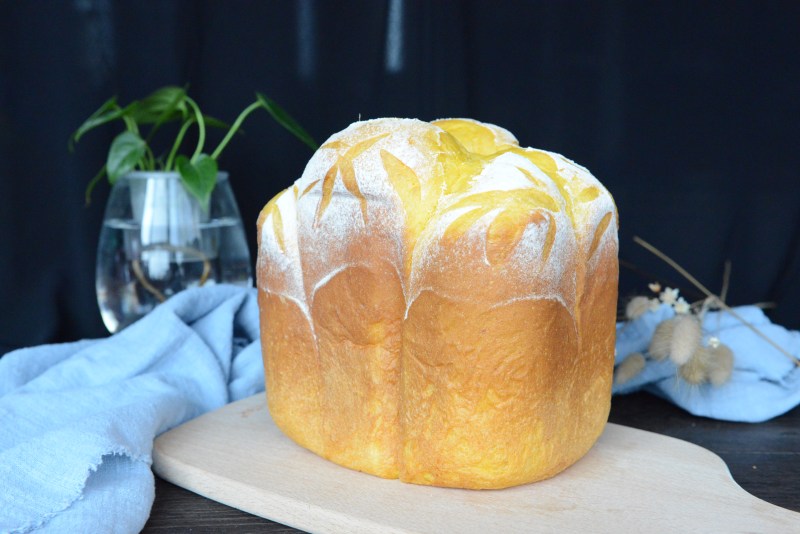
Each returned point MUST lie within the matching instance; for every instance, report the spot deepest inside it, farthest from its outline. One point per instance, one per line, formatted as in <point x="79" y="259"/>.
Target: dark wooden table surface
<point x="763" y="458"/>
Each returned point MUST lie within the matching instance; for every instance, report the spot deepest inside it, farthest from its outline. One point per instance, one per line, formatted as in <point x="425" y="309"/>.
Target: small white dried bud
<point x="655" y="287"/>
<point x="669" y="296"/>
<point x="713" y="342"/>
<point x="637" y="307"/>
<point x="631" y="366"/>
<point x="695" y="371"/>
<point x="686" y="339"/>
<point x="681" y="306"/>
<point x="721" y="364"/>
<point x="662" y="338"/>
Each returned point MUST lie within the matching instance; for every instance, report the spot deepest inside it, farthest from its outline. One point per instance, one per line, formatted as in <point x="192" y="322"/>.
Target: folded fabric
<point x="79" y="419"/>
<point x="765" y="383"/>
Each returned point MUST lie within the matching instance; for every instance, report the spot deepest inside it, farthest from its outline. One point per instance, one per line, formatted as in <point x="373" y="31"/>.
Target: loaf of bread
<point x="438" y="304"/>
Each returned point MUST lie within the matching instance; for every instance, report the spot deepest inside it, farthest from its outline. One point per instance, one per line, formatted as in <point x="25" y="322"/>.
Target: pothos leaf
<point x="284" y="119"/>
<point x="198" y="176"/>
<point x="215" y="123"/>
<point x="89" y="188"/>
<point x="164" y="105"/>
<point x="125" y="152"/>
<point x="108" y="112"/>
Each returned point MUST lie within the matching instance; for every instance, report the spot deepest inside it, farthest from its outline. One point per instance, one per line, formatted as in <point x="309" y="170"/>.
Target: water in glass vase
<point x="135" y="273"/>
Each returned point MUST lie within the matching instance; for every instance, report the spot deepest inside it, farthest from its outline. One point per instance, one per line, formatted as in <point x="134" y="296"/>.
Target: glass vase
<point x="157" y="239"/>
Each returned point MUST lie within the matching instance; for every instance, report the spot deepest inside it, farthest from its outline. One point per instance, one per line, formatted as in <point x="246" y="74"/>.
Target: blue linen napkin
<point x="764" y="384"/>
<point x="78" y="420"/>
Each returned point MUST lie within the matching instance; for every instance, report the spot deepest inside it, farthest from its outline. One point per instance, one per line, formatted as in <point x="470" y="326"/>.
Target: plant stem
<point x="132" y="127"/>
<point x="236" y="125"/>
<point x="726" y="278"/>
<point x="201" y="127"/>
<point x="177" y="144"/>
<point x="149" y="159"/>
<point x="131" y="124"/>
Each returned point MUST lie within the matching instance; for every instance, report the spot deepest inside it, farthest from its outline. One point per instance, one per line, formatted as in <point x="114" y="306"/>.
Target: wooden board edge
<point x="291" y="512"/>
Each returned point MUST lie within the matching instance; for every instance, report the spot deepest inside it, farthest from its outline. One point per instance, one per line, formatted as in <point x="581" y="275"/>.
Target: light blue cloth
<point x="765" y="383"/>
<point x="78" y="420"/>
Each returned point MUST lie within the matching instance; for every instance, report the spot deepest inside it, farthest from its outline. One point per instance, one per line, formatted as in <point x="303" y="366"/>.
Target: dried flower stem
<point x="717" y="300"/>
<point x="726" y="279"/>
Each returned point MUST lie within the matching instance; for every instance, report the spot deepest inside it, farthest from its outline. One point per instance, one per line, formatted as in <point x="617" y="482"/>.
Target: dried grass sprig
<point x="713" y="299"/>
<point x="637" y="307"/>
<point x="721" y="365"/>
<point x="661" y="340"/>
<point x="686" y="338"/>
<point x="726" y="280"/>
<point x="695" y="371"/>
<point x="631" y="366"/>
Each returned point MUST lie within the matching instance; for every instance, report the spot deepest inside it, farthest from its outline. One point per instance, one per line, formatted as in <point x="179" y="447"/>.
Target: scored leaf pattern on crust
<point x="277" y="227"/>
<point x="475" y="137"/>
<point x="550" y="239"/>
<point x="344" y="167"/>
<point x="309" y="188"/>
<point x="588" y="194"/>
<point x="334" y="145"/>
<point x="505" y="232"/>
<point x="456" y="166"/>
<point x="456" y="229"/>
<point x="518" y="209"/>
<point x="598" y="233"/>
<point x="534" y="180"/>
<point x="545" y="162"/>
<point x="418" y="202"/>
<point x="327" y="192"/>
<point x="403" y="179"/>
<point x="548" y="165"/>
<point x="277" y="221"/>
<point x="530" y="198"/>
<point x="348" y="175"/>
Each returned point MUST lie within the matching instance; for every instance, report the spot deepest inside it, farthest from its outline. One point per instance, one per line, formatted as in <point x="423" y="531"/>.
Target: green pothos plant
<point x="133" y="148"/>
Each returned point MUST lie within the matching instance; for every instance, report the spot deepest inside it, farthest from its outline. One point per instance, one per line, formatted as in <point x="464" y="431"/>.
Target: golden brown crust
<point x="291" y="365"/>
<point x="358" y="320"/>
<point x="438" y="305"/>
<point x="483" y="396"/>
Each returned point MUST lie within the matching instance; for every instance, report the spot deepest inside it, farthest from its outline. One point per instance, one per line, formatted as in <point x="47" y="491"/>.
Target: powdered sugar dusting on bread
<point x="327" y="238"/>
<point x="499" y="175"/>
<point x="527" y="273"/>
<point x="279" y="255"/>
<point x="590" y="213"/>
<point x="331" y="216"/>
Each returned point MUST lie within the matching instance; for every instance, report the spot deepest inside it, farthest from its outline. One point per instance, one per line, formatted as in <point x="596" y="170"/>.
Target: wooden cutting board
<point x="631" y="481"/>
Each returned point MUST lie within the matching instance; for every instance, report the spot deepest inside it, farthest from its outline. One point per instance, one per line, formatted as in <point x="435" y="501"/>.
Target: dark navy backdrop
<point x="689" y="112"/>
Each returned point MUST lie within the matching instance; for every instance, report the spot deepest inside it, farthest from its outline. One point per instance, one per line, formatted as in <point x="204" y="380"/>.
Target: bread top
<point x="434" y="201"/>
